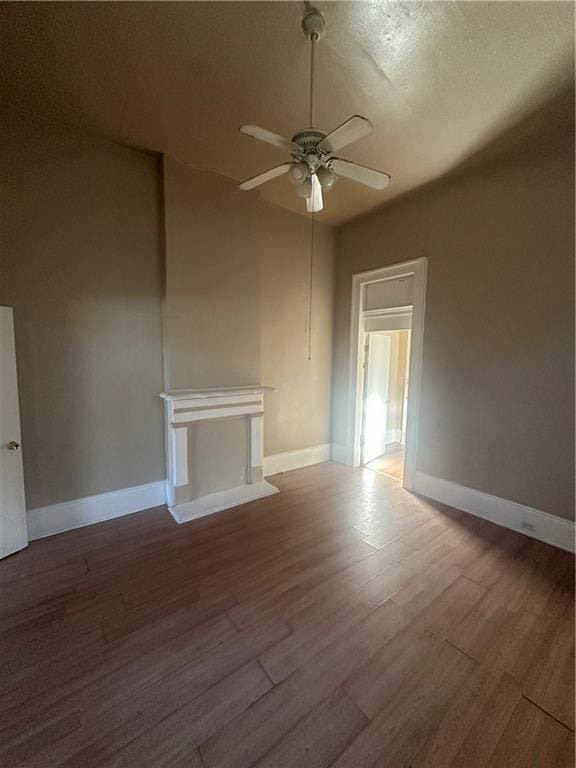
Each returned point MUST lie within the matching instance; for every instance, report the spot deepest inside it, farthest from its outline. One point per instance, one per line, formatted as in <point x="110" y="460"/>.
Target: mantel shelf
<point x="193" y="394"/>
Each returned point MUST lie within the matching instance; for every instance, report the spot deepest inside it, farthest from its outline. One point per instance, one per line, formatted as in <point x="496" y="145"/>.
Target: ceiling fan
<point x="314" y="166"/>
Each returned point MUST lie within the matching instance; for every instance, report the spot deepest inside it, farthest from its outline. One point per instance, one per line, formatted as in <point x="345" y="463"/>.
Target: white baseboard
<point x="216" y="502"/>
<point x="393" y="436"/>
<point x="339" y="453"/>
<point x="57" y="518"/>
<point x="532" y="522"/>
<point x="304" y="457"/>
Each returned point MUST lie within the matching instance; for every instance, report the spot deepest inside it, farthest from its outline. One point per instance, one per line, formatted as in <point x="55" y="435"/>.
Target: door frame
<point x="417" y="269"/>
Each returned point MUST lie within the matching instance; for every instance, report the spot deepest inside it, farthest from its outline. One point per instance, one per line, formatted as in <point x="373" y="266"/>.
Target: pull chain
<point x="310" y="287"/>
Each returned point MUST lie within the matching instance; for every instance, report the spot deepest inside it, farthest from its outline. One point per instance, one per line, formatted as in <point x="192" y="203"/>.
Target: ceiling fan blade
<point x="262" y="178"/>
<point x="360" y="173"/>
<point x="314" y="203"/>
<point x="353" y="129"/>
<point x="270" y="138"/>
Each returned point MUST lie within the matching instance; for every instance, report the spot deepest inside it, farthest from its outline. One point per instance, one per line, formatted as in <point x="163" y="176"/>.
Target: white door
<point x="13" y="530"/>
<point x="376" y="375"/>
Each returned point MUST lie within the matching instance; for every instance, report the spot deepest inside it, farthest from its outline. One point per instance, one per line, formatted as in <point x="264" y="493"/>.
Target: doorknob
<point x="13" y="446"/>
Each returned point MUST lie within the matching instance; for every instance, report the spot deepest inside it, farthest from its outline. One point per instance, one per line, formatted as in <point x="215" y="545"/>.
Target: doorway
<point x="394" y="295"/>
<point x="385" y="401"/>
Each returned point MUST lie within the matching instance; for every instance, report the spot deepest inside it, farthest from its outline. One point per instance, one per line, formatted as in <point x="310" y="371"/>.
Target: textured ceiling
<point x="438" y="80"/>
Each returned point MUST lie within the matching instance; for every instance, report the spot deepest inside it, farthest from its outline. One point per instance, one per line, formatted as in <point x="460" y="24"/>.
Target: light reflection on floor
<point x="390" y="463"/>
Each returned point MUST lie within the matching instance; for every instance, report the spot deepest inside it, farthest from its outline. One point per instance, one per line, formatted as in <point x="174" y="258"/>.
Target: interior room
<point x="385" y="400"/>
<point x="287" y="384"/>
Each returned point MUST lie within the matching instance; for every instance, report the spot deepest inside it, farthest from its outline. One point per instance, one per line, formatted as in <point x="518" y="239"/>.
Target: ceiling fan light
<point x="314" y="203"/>
<point x="298" y="173"/>
<point x="326" y="177"/>
<point x="304" y="189"/>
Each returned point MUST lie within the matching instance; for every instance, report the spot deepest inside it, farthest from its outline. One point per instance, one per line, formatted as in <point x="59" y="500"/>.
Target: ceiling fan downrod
<point x="313" y="25"/>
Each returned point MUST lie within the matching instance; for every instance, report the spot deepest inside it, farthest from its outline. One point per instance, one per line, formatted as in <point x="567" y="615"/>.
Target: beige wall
<point x="298" y="413"/>
<point x="236" y="302"/>
<point x="80" y="264"/>
<point x="212" y="328"/>
<point x="497" y="408"/>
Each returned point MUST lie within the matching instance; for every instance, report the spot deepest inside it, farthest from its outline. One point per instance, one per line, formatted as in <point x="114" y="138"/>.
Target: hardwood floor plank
<point x="533" y="738"/>
<point x="506" y="640"/>
<point x="120" y="671"/>
<point x="549" y="682"/>
<point x="131" y="704"/>
<point x="30" y="571"/>
<point x="497" y="561"/>
<point x="287" y="591"/>
<point x="320" y="738"/>
<point x="285" y="657"/>
<point x="474" y="723"/>
<point x="176" y="737"/>
<point x="399" y="730"/>
<point x="159" y="622"/>
<point x="14" y="750"/>
<point x="250" y="736"/>
<point x="422" y="589"/>
<point x="345" y="588"/>
<point x="23" y="663"/>
<point x="273" y="634"/>
<point x="376" y="684"/>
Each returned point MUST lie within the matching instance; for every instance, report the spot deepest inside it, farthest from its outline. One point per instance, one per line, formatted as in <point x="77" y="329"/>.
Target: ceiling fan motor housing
<point x="309" y="150"/>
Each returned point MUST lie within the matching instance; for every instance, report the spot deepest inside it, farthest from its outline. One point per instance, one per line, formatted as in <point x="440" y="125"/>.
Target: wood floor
<point x="341" y="623"/>
<point x="390" y="463"/>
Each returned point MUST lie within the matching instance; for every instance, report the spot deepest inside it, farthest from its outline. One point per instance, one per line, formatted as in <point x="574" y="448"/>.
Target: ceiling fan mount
<point x="314" y="166"/>
<point x="313" y="24"/>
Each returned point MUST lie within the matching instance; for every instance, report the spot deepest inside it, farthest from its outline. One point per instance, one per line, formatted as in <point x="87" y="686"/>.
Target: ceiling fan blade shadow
<point x="353" y="129"/>
<point x="262" y="178"/>
<point x="360" y="173"/>
<point x="270" y="138"/>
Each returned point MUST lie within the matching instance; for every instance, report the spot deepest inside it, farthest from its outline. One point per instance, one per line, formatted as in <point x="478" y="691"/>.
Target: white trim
<point x="179" y="450"/>
<point x="206" y="414"/>
<point x="216" y="502"/>
<point x="417" y="269"/>
<point x="227" y="392"/>
<point x="510" y="514"/>
<point x="339" y="453"/>
<point x="304" y="457"/>
<point x="255" y="470"/>
<point x="393" y="436"/>
<point x="389" y="311"/>
<point x="57" y="518"/>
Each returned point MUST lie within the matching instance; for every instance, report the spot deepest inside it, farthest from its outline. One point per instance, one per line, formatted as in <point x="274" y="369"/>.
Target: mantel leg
<point x="255" y="474"/>
<point x="177" y="450"/>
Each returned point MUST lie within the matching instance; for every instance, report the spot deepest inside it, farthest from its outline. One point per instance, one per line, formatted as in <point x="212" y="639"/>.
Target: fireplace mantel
<point x="192" y="394"/>
<point x="183" y="407"/>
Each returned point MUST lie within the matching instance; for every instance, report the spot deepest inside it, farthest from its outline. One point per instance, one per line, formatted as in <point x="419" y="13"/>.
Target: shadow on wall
<point x="82" y="269"/>
<point x="498" y="374"/>
<point x="548" y="126"/>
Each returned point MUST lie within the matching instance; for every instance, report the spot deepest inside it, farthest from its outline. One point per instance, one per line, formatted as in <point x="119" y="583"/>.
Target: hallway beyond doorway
<point x="385" y="402"/>
<point x="390" y="463"/>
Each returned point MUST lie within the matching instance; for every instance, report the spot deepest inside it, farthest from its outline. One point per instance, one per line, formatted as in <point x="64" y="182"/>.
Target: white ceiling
<point x="439" y="81"/>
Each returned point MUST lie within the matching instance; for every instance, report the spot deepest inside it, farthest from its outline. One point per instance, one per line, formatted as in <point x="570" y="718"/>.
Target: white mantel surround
<point x="186" y="406"/>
